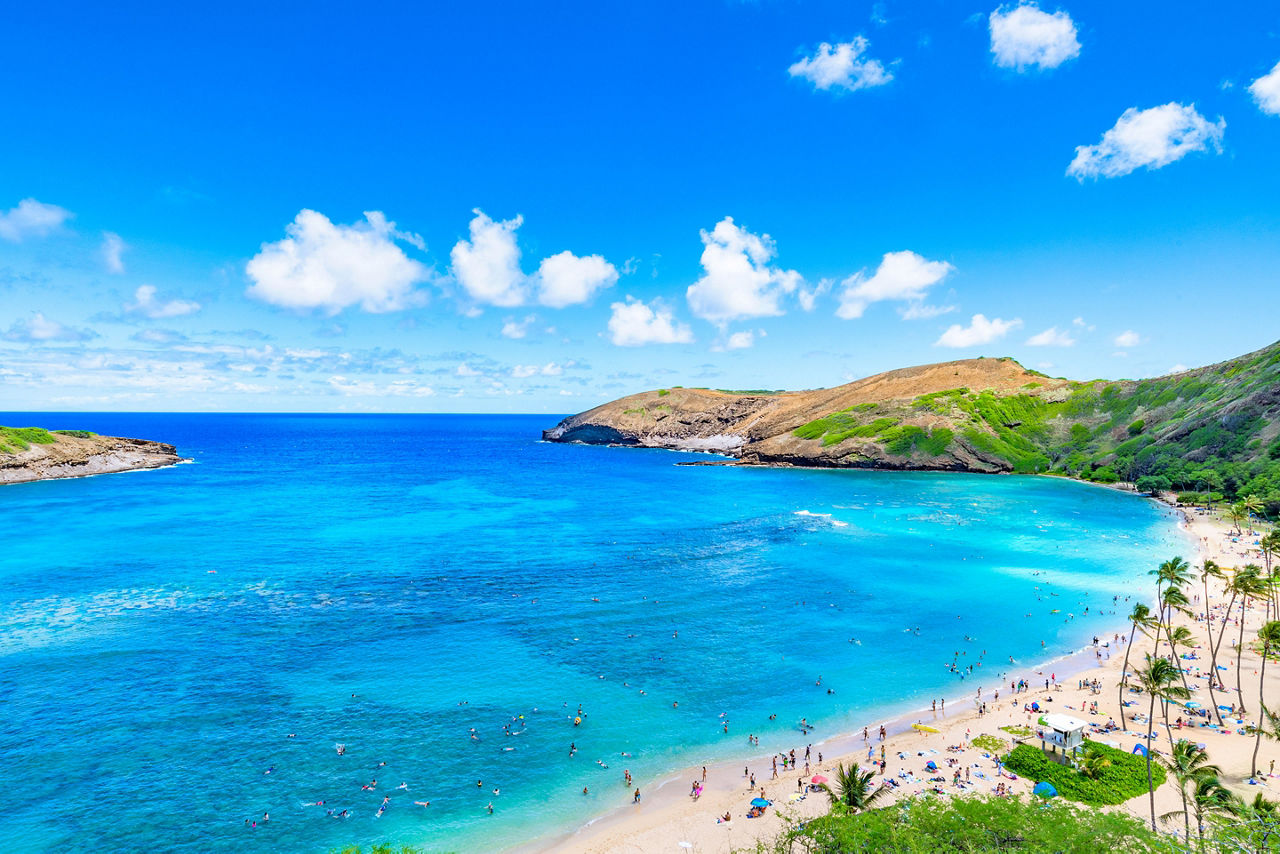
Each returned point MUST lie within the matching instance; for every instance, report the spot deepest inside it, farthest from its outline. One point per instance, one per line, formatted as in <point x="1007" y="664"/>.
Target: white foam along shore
<point x="667" y="815"/>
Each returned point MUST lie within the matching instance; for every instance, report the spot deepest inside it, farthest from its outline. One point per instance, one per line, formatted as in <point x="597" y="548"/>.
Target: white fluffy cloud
<point x="737" y="281"/>
<point x="633" y="324"/>
<point x="1152" y="138"/>
<point x="1266" y="91"/>
<point x="488" y="265"/>
<point x="1128" y="338"/>
<point x="367" y="388"/>
<point x="146" y="304"/>
<point x="112" y="251"/>
<point x="979" y="331"/>
<point x="31" y="219"/>
<point x="551" y="369"/>
<point x="39" y="329"/>
<point x="513" y="328"/>
<point x="488" y="268"/>
<point x="1024" y="36"/>
<point x="565" y="279"/>
<point x="320" y="265"/>
<point x="1051" y="337"/>
<point x="842" y="65"/>
<point x="900" y="276"/>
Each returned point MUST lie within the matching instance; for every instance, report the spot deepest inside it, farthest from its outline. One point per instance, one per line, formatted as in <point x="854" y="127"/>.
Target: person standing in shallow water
<point x="636" y="799"/>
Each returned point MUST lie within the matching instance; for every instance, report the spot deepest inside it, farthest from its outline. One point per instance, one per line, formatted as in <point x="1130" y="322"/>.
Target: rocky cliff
<point x="30" y="453"/>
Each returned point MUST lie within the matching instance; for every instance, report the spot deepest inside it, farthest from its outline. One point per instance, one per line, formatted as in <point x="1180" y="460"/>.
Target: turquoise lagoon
<point x="181" y="650"/>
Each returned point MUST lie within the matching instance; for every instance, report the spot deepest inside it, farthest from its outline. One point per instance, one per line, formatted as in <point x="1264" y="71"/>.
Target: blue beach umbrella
<point x="1045" y="790"/>
<point x="760" y="802"/>
<point x="1138" y="748"/>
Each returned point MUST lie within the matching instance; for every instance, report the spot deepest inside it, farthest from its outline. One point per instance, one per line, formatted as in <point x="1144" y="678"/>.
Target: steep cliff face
<point x="32" y="454"/>
<point x="984" y="415"/>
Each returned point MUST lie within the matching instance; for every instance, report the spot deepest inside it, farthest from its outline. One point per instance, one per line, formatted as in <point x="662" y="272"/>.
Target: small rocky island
<point x="33" y="453"/>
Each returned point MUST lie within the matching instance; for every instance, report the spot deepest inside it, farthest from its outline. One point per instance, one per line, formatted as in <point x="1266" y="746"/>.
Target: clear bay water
<point x="391" y="582"/>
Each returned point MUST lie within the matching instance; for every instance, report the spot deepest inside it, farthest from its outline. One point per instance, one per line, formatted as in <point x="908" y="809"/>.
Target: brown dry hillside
<point x="1214" y="429"/>
<point x="760" y="427"/>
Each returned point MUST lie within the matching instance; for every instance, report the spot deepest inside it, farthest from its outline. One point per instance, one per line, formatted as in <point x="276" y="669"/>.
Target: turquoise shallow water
<point x="391" y="582"/>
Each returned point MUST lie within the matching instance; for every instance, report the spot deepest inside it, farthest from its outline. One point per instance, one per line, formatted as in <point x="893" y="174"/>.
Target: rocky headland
<point x="979" y="415"/>
<point x="31" y="453"/>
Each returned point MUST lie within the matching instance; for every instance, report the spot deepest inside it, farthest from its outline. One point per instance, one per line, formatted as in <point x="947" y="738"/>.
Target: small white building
<point x="1061" y="731"/>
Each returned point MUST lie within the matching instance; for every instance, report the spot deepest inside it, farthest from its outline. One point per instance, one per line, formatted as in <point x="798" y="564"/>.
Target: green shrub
<point x="663" y="392"/>
<point x="1124" y="778"/>
<point x="926" y="825"/>
<point x="14" y="439"/>
<point x="1137" y="427"/>
<point x="79" y="434"/>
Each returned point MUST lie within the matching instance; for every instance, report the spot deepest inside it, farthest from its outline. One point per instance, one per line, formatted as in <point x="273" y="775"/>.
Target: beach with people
<point x="950" y="749"/>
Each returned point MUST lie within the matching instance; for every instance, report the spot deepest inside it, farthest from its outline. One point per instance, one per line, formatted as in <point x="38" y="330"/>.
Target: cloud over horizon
<point x="320" y="265"/>
<point x="902" y="276"/>
<point x="488" y="268"/>
<point x="634" y="324"/>
<point x="979" y="331"/>
<point x="737" y="281"/>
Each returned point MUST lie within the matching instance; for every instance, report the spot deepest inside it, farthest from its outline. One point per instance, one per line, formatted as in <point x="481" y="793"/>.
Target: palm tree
<point x="853" y="790"/>
<point x="1188" y="764"/>
<point x="1269" y="634"/>
<point x="1270" y="547"/>
<point x="1247" y="582"/>
<point x="1252" y="506"/>
<point x="1259" y="816"/>
<point x="1236" y="512"/>
<point x="1211" y="570"/>
<point x="1093" y="762"/>
<point x="1158" y="679"/>
<point x="1141" y="619"/>
<point x="1179" y="635"/>
<point x="1210" y="798"/>
<point x="1234" y="587"/>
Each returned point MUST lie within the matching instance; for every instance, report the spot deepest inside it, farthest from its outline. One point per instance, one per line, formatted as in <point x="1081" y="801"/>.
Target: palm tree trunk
<point x="1221" y="635"/>
<point x="1213" y="662"/>
<point x="1151" y="786"/>
<point x="1124" y="674"/>
<point x="1186" y="813"/>
<point x="1244" y="606"/>
<point x="1257" y="742"/>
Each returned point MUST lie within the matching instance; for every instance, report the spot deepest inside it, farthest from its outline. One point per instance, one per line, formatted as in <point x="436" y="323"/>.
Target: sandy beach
<point x="668" y="818"/>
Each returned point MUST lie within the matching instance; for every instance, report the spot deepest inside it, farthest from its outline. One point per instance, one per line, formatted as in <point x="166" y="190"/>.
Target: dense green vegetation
<point x="929" y="825"/>
<point x="14" y="439"/>
<point x="1212" y="433"/>
<point x="1122" y="778"/>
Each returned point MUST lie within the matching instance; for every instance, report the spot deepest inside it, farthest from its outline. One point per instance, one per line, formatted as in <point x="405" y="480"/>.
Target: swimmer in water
<point x="422" y="803"/>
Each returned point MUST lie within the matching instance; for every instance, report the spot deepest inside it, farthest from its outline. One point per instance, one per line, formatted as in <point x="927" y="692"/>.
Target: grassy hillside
<point x="1213" y="430"/>
<point x="15" y="439"/>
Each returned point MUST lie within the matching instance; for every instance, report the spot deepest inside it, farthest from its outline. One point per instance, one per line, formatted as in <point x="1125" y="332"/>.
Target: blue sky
<point x="537" y="208"/>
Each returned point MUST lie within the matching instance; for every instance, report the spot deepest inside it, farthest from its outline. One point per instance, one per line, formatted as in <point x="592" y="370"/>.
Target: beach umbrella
<point x="760" y="802"/>
<point x="1139" y="749"/>
<point x="1192" y="704"/>
<point x="1045" y="790"/>
<point x="685" y="844"/>
<point x="818" y="778"/>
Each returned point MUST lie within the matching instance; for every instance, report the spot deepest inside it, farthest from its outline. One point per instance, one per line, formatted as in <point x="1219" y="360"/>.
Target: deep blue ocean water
<point x="391" y="582"/>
